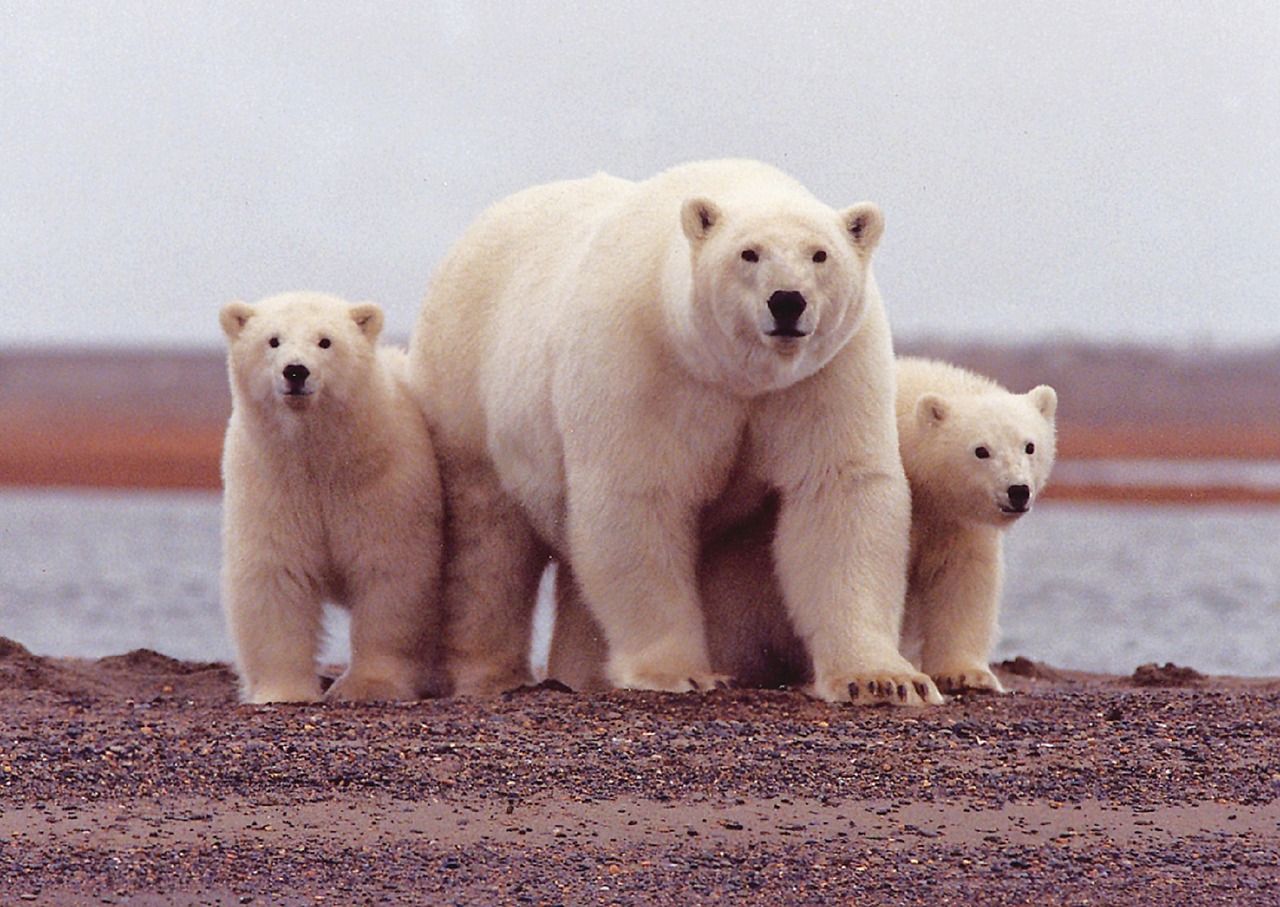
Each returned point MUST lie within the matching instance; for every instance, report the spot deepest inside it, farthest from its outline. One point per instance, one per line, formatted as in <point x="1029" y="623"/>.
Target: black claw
<point x="693" y="683"/>
<point x="853" y="690"/>
<point x="902" y="692"/>
<point x="921" y="690"/>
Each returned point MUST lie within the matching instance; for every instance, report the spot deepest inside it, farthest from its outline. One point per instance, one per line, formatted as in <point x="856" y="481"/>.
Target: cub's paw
<point x="684" y="682"/>
<point x="968" y="680"/>
<point x="307" y="690"/>
<point x="474" y="678"/>
<point x="356" y="688"/>
<point x="889" y="688"/>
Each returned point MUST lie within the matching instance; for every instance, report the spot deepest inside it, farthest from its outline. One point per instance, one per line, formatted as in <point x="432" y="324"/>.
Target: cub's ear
<point x="1045" y="399"/>
<point x="932" y="409"/>
<point x="698" y="217"/>
<point x="864" y="223"/>
<point x="234" y="316"/>
<point x="368" y="317"/>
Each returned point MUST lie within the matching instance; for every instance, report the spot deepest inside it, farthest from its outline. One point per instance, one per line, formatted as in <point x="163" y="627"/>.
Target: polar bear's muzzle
<point x="1016" y="500"/>
<point x="295" y="377"/>
<point x="787" y="307"/>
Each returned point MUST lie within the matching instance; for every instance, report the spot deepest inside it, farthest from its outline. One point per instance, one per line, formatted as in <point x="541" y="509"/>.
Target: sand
<point x="138" y="779"/>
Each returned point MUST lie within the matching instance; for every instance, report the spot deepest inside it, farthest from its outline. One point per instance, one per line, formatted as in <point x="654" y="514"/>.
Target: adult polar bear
<point x="610" y="368"/>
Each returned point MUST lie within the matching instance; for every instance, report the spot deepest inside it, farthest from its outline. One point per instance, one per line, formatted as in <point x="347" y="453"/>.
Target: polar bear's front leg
<point x="578" y="649"/>
<point x="841" y="554"/>
<point x="492" y="568"/>
<point x="956" y="608"/>
<point x="634" y="557"/>
<point x="275" y="618"/>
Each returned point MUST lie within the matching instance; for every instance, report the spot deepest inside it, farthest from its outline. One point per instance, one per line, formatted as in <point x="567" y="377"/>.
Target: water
<point x="1102" y="588"/>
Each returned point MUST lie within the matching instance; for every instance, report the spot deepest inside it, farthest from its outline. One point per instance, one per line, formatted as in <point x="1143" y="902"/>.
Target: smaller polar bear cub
<point x="977" y="458"/>
<point x="331" y="495"/>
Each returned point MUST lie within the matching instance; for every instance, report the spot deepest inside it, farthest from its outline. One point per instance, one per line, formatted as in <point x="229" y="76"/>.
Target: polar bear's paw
<point x="682" y="682"/>
<point x="303" y="689"/>
<point x="887" y="688"/>
<point x="360" y="688"/>
<point x="976" y="679"/>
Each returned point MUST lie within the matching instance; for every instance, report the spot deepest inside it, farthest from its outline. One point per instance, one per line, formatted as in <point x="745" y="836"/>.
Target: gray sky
<point x="1098" y="169"/>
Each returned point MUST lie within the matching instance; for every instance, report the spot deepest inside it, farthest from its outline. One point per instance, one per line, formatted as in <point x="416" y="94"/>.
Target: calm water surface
<point x="1093" y="587"/>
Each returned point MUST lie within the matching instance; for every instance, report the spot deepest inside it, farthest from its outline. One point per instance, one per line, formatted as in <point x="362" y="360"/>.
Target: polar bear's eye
<point x="750" y="255"/>
<point x="1031" y="447"/>
<point x="820" y="256"/>
<point x="273" y="342"/>
<point x="325" y="343"/>
<point x="981" y="453"/>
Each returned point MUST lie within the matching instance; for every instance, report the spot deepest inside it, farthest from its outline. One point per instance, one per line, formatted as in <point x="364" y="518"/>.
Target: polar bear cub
<point x="331" y="495"/>
<point x="609" y="367"/>
<point x="977" y="457"/>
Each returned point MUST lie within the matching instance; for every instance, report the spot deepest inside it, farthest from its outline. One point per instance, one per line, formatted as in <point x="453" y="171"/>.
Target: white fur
<point x="961" y="505"/>
<point x="331" y="495"/>
<point x="597" y="361"/>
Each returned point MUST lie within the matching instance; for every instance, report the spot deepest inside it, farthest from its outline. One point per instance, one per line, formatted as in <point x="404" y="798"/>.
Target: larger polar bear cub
<point x="331" y="494"/>
<point x="977" y="457"/>
<point x="611" y="367"/>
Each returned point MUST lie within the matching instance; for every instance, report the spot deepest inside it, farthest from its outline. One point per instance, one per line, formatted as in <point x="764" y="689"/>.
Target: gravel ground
<point x="137" y="779"/>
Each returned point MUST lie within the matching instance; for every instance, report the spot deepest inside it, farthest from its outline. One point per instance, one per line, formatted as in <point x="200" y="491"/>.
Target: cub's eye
<point x="325" y="343"/>
<point x="273" y="342"/>
<point x="1031" y="447"/>
<point x="981" y="453"/>
<point x="750" y="255"/>
<point x="820" y="256"/>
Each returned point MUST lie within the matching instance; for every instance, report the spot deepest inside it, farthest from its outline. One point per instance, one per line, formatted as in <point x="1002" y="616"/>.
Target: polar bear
<point x="977" y="458"/>
<point x="611" y="367"/>
<point x="331" y="493"/>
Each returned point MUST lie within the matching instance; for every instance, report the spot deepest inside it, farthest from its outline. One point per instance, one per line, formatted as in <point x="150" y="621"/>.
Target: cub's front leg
<point x="491" y="574"/>
<point x="953" y="603"/>
<point x="275" y="618"/>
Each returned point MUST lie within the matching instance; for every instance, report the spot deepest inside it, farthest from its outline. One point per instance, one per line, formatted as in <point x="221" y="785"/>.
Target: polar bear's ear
<point x="865" y="225"/>
<point x="932" y="409"/>
<point x="234" y="316"/>
<point x="1045" y="399"/>
<point x="368" y="318"/>
<point x="699" y="217"/>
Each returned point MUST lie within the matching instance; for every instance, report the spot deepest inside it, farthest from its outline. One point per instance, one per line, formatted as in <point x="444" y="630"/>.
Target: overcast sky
<point x="1098" y="169"/>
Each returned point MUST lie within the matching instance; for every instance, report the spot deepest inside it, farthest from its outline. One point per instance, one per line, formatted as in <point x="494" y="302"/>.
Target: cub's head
<point x="983" y="457"/>
<point x="299" y="351"/>
<point x="778" y="285"/>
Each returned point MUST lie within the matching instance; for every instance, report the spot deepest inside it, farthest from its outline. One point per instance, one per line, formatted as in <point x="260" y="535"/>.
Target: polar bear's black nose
<point x="296" y="374"/>
<point x="1019" y="495"/>
<point x="786" y="307"/>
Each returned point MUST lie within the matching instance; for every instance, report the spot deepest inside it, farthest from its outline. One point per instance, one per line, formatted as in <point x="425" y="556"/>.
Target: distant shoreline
<point x="154" y="419"/>
<point x="95" y="452"/>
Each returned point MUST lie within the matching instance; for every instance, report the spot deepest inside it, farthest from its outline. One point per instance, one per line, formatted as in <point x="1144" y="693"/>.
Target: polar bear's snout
<point x="1019" y="499"/>
<point x="295" y="380"/>
<point x="786" y="307"/>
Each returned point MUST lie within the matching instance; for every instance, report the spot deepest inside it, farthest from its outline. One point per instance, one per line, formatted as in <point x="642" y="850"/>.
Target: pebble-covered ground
<point x="138" y="780"/>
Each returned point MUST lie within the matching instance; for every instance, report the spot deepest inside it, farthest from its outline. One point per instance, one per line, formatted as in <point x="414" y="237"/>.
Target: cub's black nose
<point x="786" y="307"/>
<point x="296" y="374"/>
<point x="1019" y="495"/>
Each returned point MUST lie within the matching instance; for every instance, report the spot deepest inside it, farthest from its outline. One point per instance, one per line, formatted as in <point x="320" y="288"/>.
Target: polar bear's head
<point x="779" y="285"/>
<point x="982" y="457"/>
<point x="296" y="352"/>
